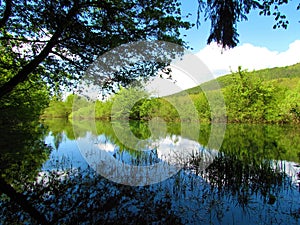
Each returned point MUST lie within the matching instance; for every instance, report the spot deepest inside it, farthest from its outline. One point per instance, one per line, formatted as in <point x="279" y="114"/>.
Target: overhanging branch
<point x="24" y="73"/>
<point x="21" y="200"/>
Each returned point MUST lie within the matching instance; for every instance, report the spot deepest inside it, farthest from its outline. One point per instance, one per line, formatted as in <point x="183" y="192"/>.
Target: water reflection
<point x="251" y="180"/>
<point x="151" y="161"/>
<point x="252" y="145"/>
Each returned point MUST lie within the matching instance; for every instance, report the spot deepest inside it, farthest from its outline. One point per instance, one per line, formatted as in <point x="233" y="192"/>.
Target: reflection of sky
<point x="66" y="156"/>
<point x="289" y="168"/>
<point x="172" y="149"/>
<point x="191" y="196"/>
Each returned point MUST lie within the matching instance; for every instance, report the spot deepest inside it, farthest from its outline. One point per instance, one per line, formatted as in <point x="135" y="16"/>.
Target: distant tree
<point x="127" y="103"/>
<point x="59" y="39"/>
<point x="249" y="98"/>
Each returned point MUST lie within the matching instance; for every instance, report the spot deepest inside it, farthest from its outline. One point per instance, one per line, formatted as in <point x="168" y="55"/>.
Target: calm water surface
<point x="91" y="175"/>
<point x="252" y="179"/>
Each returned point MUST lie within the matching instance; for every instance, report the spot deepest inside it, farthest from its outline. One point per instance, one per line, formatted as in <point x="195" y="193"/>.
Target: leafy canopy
<point x="59" y="39"/>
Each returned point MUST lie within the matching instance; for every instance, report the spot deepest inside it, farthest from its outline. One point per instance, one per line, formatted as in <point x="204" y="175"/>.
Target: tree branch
<point x="21" y="200"/>
<point x="23" y="74"/>
<point x="23" y="40"/>
<point x="66" y="59"/>
<point x="6" y="13"/>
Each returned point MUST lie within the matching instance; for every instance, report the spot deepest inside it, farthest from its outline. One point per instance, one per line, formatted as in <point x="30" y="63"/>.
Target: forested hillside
<point x="263" y="96"/>
<point x="276" y="73"/>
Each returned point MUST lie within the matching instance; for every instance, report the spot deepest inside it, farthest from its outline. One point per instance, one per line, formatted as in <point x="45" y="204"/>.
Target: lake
<point x="168" y="173"/>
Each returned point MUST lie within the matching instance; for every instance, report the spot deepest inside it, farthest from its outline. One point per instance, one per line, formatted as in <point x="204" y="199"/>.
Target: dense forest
<point x="263" y="96"/>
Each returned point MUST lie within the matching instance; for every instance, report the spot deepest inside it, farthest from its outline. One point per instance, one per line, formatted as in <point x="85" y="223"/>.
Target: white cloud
<point x="248" y="56"/>
<point x="220" y="63"/>
<point x="163" y="86"/>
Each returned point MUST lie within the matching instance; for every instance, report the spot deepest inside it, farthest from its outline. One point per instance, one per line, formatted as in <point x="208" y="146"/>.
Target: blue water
<point x="192" y="198"/>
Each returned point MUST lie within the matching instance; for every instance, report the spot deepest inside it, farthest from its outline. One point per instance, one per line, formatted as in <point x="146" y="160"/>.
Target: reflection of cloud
<point x="176" y="150"/>
<point x="248" y="56"/>
<point x="290" y="168"/>
<point x="173" y="152"/>
<point x="109" y="147"/>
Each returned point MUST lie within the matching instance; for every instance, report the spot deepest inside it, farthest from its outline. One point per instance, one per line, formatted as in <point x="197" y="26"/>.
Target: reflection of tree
<point x="138" y="129"/>
<point x="262" y="141"/>
<point x="241" y="177"/>
<point x="57" y="126"/>
<point x="57" y="140"/>
<point x="21" y="165"/>
<point x="18" y="201"/>
<point x="245" y="177"/>
<point x="22" y="148"/>
<point x="245" y="165"/>
<point x="80" y="197"/>
<point x="22" y="153"/>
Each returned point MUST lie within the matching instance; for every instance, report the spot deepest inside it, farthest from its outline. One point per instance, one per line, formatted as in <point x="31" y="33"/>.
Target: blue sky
<point x="260" y="46"/>
<point x="257" y="30"/>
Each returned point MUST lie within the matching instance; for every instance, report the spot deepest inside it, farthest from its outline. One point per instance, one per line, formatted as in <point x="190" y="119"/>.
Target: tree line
<point x="248" y="99"/>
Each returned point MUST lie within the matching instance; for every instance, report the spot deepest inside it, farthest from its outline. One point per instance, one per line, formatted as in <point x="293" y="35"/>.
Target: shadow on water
<point x="252" y="179"/>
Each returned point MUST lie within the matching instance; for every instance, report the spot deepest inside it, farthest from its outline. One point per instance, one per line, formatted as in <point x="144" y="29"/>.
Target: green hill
<point x="264" y="96"/>
<point x="282" y="75"/>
